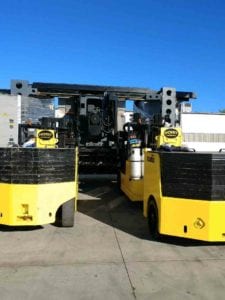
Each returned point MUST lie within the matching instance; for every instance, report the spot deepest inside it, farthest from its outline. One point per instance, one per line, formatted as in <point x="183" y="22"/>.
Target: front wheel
<point x="153" y="221"/>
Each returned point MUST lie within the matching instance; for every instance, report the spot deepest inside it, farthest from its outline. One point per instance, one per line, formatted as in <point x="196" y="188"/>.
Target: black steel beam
<point x="42" y="90"/>
<point x="185" y="96"/>
<point x="4" y="91"/>
<point x="62" y="87"/>
<point x="124" y="92"/>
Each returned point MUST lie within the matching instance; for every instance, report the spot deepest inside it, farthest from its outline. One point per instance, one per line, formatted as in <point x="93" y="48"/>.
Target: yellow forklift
<point x="183" y="191"/>
<point x="38" y="181"/>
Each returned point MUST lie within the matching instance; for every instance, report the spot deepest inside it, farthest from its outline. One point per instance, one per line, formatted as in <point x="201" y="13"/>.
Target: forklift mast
<point x="95" y="120"/>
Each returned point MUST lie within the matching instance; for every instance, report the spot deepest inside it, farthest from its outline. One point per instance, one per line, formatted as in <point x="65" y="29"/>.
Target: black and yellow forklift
<point x="183" y="191"/>
<point x="38" y="179"/>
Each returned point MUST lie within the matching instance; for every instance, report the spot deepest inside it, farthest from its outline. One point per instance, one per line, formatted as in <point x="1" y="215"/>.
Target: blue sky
<point x="145" y="43"/>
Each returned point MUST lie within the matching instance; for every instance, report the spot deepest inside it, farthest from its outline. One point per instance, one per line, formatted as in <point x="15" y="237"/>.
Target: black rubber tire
<point x="153" y="221"/>
<point x="66" y="218"/>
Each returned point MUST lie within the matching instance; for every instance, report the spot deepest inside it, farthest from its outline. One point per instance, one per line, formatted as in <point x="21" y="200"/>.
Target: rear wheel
<point x="65" y="214"/>
<point x="153" y="221"/>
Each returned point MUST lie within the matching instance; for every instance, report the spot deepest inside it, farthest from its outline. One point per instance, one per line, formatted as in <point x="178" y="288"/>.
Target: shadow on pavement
<point x="5" y="228"/>
<point x="102" y="200"/>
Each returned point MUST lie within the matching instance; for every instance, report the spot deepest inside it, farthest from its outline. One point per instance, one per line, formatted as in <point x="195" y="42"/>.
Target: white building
<point x="10" y="117"/>
<point x="204" y="131"/>
<point x="201" y="131"/>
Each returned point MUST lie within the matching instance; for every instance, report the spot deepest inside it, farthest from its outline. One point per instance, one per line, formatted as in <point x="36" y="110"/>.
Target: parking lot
<point x="107" y="255"/>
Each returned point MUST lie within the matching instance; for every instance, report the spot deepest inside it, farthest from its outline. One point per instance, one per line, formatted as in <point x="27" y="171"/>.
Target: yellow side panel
<point x="132" y="188"/>
<point x="196" y="219"/>
<point x="33" y="204"/>
<point x="76" y="176"/>
<point x="152" y="180"/>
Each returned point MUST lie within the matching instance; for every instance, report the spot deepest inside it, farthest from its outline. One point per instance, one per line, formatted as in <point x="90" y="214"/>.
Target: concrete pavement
<point x="107" y="255"/>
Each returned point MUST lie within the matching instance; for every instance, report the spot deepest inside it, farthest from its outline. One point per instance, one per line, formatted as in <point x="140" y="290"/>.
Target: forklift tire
<point x="66" y="214"/>
<point x="153" y="220"/>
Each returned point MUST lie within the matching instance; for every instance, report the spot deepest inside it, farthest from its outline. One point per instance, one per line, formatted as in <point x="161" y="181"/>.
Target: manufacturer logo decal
<point x="171" y="133"/>
<point x="199" y="223"/>
<point x="151" y="159"/>
<point x="45" y="135"/>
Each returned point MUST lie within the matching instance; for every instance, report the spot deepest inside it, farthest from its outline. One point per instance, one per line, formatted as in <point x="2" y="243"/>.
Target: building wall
<point x="34" y="109"/>
<point x="10" y="116"/>
<point x="203" y="132"/>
